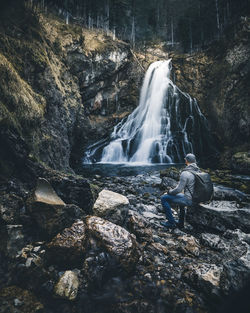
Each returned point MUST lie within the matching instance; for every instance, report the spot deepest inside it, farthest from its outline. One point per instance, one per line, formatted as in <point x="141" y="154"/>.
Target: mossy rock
<point x="241" y="162"/>
<point x="95" y="191"/>
<point x="171" y="172"/>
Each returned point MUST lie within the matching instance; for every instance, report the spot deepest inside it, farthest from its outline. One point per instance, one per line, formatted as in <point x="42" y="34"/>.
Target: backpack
<point x="203" y="187"/>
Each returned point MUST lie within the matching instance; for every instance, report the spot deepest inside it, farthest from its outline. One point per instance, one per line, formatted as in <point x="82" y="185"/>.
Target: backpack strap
<point x="193" y="172"/>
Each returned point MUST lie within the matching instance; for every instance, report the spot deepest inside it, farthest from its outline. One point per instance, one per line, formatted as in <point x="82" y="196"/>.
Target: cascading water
<point x="166" y="125"/>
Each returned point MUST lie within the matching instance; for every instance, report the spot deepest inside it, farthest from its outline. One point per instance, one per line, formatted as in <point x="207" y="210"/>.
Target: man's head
<point x="190" y="158"/>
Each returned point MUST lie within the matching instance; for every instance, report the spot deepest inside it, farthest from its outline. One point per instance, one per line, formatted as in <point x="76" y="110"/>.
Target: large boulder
<point x="67" y="286"/>
<point x="67" y="248"/>
<point x="237" y="266"/>
<point x="49" y="211"/>
<point x="220" y="216"/>
<point x="45" y="207"/>
<point x="114" y="239"/>
<point x="111" y="206"/>
<point x="139" y="226"/>
<point x="74" y="189"/>
<point x="227" y="193"/>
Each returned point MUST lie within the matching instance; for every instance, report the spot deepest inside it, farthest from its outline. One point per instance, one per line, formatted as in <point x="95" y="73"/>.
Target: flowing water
<point x="166" y="125"/>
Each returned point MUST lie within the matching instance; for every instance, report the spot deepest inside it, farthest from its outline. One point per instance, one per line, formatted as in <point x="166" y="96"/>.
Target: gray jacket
<point x="186" y="182"/>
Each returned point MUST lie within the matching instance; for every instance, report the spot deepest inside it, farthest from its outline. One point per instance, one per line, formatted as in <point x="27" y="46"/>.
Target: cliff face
<point x="61" y="87"/>
<point x="219" y="79"/>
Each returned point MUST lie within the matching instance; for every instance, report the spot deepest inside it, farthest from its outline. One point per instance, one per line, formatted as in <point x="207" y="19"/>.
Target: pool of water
<point x="122" y="169"/>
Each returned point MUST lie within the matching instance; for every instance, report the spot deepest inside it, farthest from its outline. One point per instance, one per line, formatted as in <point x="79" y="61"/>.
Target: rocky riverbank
<point x="97" y="245"/>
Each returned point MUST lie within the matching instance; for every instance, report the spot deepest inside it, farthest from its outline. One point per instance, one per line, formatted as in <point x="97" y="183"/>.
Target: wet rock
<point x="50" y="213"/>
<point x="15" y="299"/>
<point x="45" y="207"/>
<point x="220" y="216"/>
<point x="146" y="208"/>
<point x="10" y="207"/>
<point x="226" y="193"/>
<point x="30" y="271"/>
<point x="99" y="268"/>
<point x="153" y="217"/>
<point x="12" y="239"/>
<point x="189" y="244"/>
<point x="236" y="269"/>
<point x="215" y="242"/>
<point x="153" y="180"/>
<point x="167" y="183"/>
<point x="241" y="162"/>
<point x="205" y="277"/>
<point x="74" y="190"/>
<point x="139" y="226"/>
<point x="171" y="172"/>
<point x="115" y="239"/>
<point x="67" y="286"/>
<point x="235" y="275"/>
<point x="111" y="206"/>
<point x="238" y="235"/>
<point x="67" y="248"/>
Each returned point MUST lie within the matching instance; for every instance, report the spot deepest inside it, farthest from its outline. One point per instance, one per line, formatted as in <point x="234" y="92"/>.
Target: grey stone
<point x="115" y="239"/>
<point x="46" y="207"/>
<point x="205" y="277"/>
<point x="236" y="272"/>
<point x="226" y="193"/>
<point x="111" y="206"/>
<point x="215" y="242"/>
<point x="138" y="225"/>
<point x="189" y="245"/>
<point x="67" y="286"/>
<point x="67" y="248"/>
<point x="220" y="216"/>
<point x="12" y="239"/>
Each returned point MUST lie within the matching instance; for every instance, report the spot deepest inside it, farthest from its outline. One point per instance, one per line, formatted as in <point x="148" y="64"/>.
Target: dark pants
<point x="181" y="200"/>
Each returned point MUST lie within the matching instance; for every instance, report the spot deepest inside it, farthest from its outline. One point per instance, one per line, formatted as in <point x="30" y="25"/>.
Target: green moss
<point x="95" y="190"/>
<point x="18" y="99"/>
<point x="146" y="195"/>
<point x="172" y="172"/>
<point x="7" y="120"/>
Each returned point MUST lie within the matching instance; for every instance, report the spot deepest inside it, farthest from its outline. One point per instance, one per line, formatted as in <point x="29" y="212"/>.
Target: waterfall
<point x="166" y="125"/>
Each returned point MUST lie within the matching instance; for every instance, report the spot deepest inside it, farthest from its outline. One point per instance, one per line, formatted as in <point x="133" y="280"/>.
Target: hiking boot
<point x="169" y="225"/>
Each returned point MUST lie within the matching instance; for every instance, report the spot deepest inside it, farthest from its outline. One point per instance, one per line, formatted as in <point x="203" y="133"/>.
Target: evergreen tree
<point x="192" y="23"/>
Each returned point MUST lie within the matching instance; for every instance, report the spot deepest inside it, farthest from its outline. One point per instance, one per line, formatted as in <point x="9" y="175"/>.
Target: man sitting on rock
<point x="174" y="196"/>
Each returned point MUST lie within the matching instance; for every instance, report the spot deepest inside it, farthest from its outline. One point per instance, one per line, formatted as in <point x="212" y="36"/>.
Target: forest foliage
<point x="186" y="24"/>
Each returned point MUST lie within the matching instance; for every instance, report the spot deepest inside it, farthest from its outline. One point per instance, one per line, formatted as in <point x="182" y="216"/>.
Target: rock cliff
<point x="62" y="87"/>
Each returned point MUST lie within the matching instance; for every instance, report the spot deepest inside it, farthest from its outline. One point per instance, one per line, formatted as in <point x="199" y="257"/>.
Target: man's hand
<point x="167" y="192"/>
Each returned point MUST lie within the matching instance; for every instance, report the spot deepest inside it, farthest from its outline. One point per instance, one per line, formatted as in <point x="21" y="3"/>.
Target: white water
<point x="146" y="121"/>
<point x="158" y="130"/>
